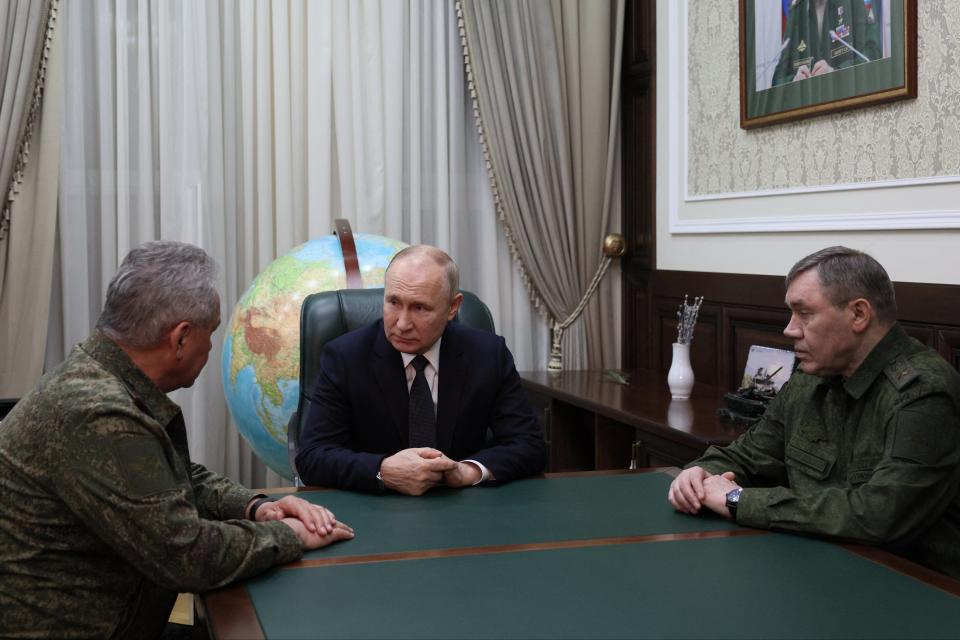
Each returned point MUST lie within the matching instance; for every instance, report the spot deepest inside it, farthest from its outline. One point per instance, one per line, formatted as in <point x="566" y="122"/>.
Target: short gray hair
<point x="451" y="270"/>
<point x="847" y="274"/>
<point x="158" y="285"/>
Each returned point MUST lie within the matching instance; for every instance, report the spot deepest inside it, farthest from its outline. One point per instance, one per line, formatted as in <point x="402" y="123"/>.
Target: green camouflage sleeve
<point x="892" y="501"/>
<point x="117" y="479"/>
<point x="218" y="498"/>
<point x="756" y="457"/>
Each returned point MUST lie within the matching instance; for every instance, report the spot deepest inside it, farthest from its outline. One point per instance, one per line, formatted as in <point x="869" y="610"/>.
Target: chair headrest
<point x="328" y="314"/>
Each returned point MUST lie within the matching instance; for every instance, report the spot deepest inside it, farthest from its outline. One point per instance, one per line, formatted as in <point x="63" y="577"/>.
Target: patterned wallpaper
<point x="901" y="140"/>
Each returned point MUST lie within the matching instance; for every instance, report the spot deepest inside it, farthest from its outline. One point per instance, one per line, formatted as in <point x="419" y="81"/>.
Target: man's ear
<point x="177" y="335"/>
<point x="862" y="315"/>
<point x="455" y="306"/>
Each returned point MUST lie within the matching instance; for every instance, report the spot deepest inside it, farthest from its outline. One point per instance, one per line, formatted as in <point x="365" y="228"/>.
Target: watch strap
<point x="257" y="504"/>
<point x="733" y="501"/>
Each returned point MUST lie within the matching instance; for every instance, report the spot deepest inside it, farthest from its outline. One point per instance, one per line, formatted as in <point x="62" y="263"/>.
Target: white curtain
<point x="246" y="127"/>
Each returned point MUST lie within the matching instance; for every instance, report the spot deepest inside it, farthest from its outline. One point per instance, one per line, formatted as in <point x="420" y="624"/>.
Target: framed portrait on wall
<point x="801" y="58"/>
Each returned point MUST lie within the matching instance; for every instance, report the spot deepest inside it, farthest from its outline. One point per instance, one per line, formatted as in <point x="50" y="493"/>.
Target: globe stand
<point x="351" y="264"/>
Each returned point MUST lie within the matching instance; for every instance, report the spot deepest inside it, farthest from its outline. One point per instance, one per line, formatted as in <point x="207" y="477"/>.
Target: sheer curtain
<point x="246" y="128"/>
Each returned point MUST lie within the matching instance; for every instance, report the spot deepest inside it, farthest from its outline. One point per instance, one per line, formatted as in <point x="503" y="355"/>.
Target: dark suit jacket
<point x="357" y="410"/>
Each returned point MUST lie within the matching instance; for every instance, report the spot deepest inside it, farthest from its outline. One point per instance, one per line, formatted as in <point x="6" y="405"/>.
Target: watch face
<point x="733" y="497"/>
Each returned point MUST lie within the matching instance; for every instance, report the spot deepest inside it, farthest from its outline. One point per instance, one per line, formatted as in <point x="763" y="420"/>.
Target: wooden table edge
<point x="229" y="613"/>
<point x="577" y="543"/>
<point x="670" y="471"/>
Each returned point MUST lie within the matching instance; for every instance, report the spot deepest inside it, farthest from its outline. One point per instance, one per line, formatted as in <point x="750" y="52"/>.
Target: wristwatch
<point x="259" y="502"/>
<point x="381" y="487"/>
<point x="733" y="499"/>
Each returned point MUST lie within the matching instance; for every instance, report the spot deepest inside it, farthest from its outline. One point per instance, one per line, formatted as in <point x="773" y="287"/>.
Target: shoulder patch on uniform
<point x="900" y="372"/>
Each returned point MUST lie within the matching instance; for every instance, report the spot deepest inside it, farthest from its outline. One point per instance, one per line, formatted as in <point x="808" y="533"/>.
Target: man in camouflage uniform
<point x="103" y="518"/>
<point x="812" y="51"/>
<point x="863" y="442"/>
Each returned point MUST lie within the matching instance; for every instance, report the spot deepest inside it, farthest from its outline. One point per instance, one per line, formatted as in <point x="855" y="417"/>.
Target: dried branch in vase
<point x="687" y="318"/>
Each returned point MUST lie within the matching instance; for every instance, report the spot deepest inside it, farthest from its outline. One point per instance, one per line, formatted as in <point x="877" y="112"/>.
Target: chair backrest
<point x="328" y="314"/>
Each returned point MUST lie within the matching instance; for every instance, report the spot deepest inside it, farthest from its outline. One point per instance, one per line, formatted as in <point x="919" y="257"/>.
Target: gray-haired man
<point x="103" y="517"/>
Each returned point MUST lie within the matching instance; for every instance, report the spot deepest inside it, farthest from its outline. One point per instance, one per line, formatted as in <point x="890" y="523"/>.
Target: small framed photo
<point x="801" y="58"/>
<point x="767" y="368"/>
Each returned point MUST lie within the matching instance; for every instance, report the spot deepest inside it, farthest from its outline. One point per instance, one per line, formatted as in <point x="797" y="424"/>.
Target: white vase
<point x="680" y="377"/>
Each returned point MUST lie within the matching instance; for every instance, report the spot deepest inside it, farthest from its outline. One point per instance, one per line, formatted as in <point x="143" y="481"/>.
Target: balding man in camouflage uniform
<point x="863" y="442"/>
<point x="103" y="518"/>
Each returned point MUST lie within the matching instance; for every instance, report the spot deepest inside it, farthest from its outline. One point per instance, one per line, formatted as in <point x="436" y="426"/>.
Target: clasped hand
<point x="415" y="471"/>
<point x="820" y="68"/>
<point x="696" y="487"/>
<point x="316" y="526"/>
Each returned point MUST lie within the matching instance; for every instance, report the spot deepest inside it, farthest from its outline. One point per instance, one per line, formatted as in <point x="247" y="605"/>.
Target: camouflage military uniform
<point x="874" y="459"/>
<point x="807" y="45"/>
<point x="103" y="518"/>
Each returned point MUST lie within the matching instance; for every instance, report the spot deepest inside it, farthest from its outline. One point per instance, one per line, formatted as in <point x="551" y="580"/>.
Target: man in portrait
<point x="825" y="35"/>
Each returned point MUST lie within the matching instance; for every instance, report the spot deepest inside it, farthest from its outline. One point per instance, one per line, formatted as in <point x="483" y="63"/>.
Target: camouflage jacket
<point x="103" y="518"/>
<point x="873" y="459"/>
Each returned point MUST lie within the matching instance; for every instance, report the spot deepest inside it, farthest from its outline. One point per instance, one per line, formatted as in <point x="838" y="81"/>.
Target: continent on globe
<point x="261" y="351"/>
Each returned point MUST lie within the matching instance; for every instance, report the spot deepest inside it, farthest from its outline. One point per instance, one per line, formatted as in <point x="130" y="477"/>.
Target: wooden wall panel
<point x="738" y="311"/>
<point x="743" y="310"/>
<point x="951" y="347"/>
<point x="638" y="173"/>
<point x="747" y="327"/>
<point x="945" y="340"/>
<point x="703" y="360"/>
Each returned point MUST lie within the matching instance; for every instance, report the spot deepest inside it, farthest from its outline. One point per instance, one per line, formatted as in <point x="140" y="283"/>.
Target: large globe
<point x="261" y="351"/>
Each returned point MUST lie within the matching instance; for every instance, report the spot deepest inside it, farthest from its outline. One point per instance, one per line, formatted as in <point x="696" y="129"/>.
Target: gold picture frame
<point x="785" y="58"/>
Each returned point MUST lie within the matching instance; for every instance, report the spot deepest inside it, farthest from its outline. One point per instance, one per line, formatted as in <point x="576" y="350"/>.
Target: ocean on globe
<point x="261" y="351"/>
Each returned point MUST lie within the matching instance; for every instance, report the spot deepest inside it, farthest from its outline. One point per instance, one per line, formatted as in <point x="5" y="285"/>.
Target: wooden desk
<point x="591" y="422"/>
<point x="595" y="555"/>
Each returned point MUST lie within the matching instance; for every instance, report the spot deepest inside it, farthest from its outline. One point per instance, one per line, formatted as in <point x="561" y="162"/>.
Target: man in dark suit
<point x="407" y="402"/>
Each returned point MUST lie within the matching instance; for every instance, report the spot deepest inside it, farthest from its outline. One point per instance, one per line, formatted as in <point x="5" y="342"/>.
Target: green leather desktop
<point x="576" y="556"/>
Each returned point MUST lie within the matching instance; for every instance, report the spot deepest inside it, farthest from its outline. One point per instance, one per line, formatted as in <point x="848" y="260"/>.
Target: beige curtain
<point x="30" y="77"/>
<point x="545" y="79"/>
<point x="23" y="30"/>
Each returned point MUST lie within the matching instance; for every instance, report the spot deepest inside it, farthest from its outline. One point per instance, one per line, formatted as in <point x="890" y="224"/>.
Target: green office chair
<point x="328" y="314"/>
